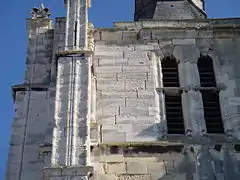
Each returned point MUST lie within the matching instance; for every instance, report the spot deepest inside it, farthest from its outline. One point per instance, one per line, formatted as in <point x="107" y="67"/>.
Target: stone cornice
<point x="74" y="52"/>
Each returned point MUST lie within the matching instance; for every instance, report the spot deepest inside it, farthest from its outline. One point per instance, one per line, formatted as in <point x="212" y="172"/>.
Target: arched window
<point x="170" y="72"/>
<point x="173" y="101"/>
<point x="210" y="97"/>
<point x="206" y="72"/>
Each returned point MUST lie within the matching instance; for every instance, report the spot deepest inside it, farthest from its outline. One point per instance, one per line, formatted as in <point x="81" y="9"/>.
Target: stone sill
<point x="67" y="171"/>
<point x="73" y="52"/>
<point x="28" y="87"/>
<point x="181" y="89"/>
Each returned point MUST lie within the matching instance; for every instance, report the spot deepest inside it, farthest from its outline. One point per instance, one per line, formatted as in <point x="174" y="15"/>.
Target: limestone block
<point x="112" y="62"/>
<point x="139" y="102"/>
<point x="116" y="168"/>
<point x="13" y="171"/>
<point x="109" y="53"/>
<point x="129" y="35"/>
<point x="141" y="137"/>
<point x="143" y="160"/>
<point x="109" y="69"/>
<point x="186" y="53"/>
<point x="125" y="128"/>
<point x="113" y="137"/>
<point x="107" y="120"/>
<point x="145" y="94"/>
<point x="107" y="85"/>
<point x="150" y="85"/>
<point x="14" y="156"/>
<point x="127" y="69"/>
<point x="107" y="76"/>
<point x="111" y="35"/>
<point x="196" y="112"/>
<point x="144" y="61"/>
<point x="135" y="119"/>
<point x="147" y="47"/>
<point x="134" y="177"/>
<point x="109" y="127"/>
<point x="181" y="34"/>
<point x="192" y="76"/>
<point x="136" y="168"/>
<point x="145" y="34"/>
<point x="110" y="102"/>
<point x="18" y="121"/>
<point x="112" y="158"/>
<point x="133" y="76"/>
<point x="106" y="177"/>
<point x="109" y="111"/>
<point x="133" y="85"/>
<point x="184" y="41"/>
<point x="166" y="47"/>
<point x="205" y="33"/>
<point x="133" y="111"/>
<point x="57" y="178"/>
<point x="115" y="94"/>
<point x="204" y="45"/>
<point x="31" y="175"/>
<point x="156" y="169"/>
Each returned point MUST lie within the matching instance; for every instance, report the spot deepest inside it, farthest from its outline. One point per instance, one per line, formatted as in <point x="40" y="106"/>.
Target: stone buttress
<point x="71" y="140"/>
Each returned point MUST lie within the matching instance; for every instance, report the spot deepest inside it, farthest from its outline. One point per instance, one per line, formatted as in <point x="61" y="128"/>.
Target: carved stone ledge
<point x="81" y="172"/>
<point x="81" y="52"/>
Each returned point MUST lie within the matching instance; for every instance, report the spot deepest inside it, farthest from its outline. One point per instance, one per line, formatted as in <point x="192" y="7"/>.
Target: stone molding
<point x="67" y="172"/>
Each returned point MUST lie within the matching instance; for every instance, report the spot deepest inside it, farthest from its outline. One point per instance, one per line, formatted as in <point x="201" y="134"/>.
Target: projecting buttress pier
<point x="71" y="140"/>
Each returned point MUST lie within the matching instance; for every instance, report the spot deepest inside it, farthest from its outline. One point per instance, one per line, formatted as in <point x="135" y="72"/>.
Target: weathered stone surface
<point x="134" y="177"/>
<point x="136" y="168"/>
<point x="111" y="102"/>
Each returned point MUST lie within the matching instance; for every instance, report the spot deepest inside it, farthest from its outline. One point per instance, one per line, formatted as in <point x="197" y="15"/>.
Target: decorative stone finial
<point x="40" y="12"/>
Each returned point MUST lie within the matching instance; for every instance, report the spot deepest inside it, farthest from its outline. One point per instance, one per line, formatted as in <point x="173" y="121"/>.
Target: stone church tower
<point x="153" y="99"/>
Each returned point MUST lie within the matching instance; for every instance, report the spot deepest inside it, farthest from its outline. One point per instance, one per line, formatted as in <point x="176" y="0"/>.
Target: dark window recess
<point x="151" y="149"/>
<point x="114" y="149"/>
<point x="175" y="122"/>
<point x="218" y="147"/>
<point x="170" y="72"/>
<point x="75" y="33"/>
<point x="206" y="72"/>
<point x="39" y="89"/>
<point x="237" y="148"/>
<point x="212" y="112"/>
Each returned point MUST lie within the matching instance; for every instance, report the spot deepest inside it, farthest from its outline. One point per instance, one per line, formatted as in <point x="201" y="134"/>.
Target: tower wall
<point x="131" y="115"/>
<point x="30" y="146"/>
<point x="169" y="9"/>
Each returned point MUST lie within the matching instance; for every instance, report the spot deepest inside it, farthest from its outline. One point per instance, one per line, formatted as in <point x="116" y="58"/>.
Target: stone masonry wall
<point x="126" y="106"/>
<point x="39" y="55"/>
<point x="128" y="78"/>
<point x="30" y="146"/>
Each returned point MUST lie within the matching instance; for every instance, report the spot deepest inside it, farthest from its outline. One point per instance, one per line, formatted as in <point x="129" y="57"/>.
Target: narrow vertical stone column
<point x="71" y="138"/>
<point x="159" y="95"/>
<point x="204" y="164"/>
<point x="76" y="25"/>
<point x="229" y="162"/>
<point x="196" y="114"/>
<point x="60" y="153"/>
<point x="82" y="111"/>
<point x="229" y="112"/>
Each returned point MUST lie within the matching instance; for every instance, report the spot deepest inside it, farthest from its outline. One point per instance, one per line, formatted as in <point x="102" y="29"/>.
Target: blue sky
<point x="14" y="40"/>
